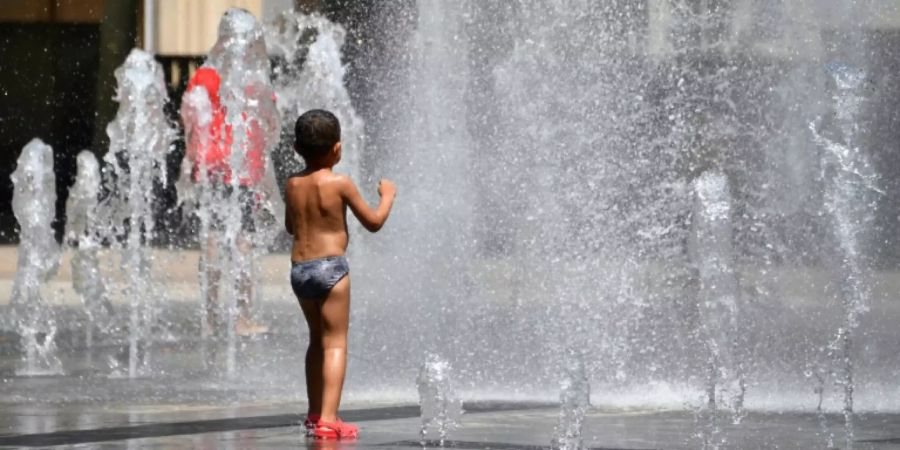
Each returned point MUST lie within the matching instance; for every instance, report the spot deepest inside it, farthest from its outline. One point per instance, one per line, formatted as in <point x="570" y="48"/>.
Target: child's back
<point x="316" y="202"/>
<point x="317" y="215"/>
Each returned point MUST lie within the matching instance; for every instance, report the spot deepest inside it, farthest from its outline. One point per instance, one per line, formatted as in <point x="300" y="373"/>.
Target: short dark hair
<point x="315" y="133"/>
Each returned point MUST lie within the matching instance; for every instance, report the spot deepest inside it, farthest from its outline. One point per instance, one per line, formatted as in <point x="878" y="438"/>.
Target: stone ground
<point x="185" y="401"/>
<point x="485" y="425"/>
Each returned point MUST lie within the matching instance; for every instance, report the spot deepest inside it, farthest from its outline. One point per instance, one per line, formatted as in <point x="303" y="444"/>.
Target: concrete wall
<point x="189" y="27"/>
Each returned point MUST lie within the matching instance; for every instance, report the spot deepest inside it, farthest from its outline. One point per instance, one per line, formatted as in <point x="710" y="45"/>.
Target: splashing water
<point x="34" y="204"/>
<point x="575" y="398"/>
<point x="311" y="76"/>
<point x="547" y="134"/>
<point x="82" y="236"/>
<point x="197" y="117"/>
<point x="850" y="182"/>
<point x="597" y="116"/>
<point x="244" y="195"/>
<point x="140" y="138"/>
<point x="440" y="404"/>
<point x="717" y="301"/>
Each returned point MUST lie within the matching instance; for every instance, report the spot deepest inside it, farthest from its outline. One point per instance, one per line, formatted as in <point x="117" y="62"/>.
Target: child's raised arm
<point x="371" y="219"/>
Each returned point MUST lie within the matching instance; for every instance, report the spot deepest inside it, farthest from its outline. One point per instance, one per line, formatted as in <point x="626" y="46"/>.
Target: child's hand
<point x="387" y="188"/>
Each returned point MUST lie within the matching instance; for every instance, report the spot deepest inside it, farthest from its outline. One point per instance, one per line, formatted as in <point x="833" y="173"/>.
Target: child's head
<point x="317" y="137"/>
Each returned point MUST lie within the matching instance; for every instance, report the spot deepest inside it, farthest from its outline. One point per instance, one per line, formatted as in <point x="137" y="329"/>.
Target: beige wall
<point x="188" y="27"/>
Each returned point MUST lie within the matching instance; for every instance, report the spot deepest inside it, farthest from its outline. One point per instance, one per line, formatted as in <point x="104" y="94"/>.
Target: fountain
<point x="850" y="185"/>
<point x="251" y="124"/>
<point x="34" y="200"/>
<point x="82" y="235"/>
<point x="439" y="402"/>
<point x="636" y="180"/>
<point x="399" y="266"/>
<point x="197" y="116"/>
<point x="140" y="138"/>
<point x="717" y="300"/>
<point x="310" y="75"/>
<point x="555" y="147"/>
<point x="575" y="398"/>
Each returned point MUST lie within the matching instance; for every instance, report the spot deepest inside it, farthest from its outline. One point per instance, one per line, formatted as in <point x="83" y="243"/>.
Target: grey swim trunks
<point x="314" y="279"/>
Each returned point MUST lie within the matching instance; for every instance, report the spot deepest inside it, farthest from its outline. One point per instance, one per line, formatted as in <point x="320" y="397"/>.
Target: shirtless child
<point x="316" y="203"/>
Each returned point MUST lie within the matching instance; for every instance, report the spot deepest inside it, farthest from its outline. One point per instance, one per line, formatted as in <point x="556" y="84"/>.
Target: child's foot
<point x="310" y="423"/>
<point x="245" y="327"/>
<point x="335" y="430"/>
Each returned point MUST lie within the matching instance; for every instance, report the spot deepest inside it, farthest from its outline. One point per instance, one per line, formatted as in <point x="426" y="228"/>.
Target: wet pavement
<point x="485" y="425"/>
<point x="182" y="398"/>
<point x="185" y="400"/>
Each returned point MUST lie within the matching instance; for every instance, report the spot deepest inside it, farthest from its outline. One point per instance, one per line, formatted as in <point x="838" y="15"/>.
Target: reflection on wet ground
<point x="485" y="425"/>
<point x="185" y="400"/>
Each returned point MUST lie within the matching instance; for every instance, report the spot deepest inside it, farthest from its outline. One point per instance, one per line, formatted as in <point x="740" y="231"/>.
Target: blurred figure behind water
<point x="231" y="123"/>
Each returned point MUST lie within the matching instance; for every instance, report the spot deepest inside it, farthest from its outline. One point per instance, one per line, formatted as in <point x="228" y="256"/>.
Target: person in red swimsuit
<point x="209" y="149"/>
<point x="214" y="151"/>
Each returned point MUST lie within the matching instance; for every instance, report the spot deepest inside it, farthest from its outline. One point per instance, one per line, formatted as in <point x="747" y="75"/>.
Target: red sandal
<point x="310" y="423"/>
<point x="335" y="430"/>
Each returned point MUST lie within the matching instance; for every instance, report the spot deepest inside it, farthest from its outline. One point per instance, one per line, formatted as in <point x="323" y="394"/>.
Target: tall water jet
<point x="197" y="194"/>
<point x="83" y="225"/>
<point x="140" y="139"/>
<point x="577" y="129"/>
<point x="311" y="75"/>
<point x="197" y="200"/>
<point x="34" y="205"/>
<point x="717" y="302"/>
<point x="235" y="127"/>
<point x="439" y="402"/>
<point x="430" y="156"/>
<point x="851" y="184"/>
<point x="575" y="399"/>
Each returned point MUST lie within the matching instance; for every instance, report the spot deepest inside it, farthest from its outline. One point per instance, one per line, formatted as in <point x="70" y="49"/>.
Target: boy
<point x="316" y="202"/>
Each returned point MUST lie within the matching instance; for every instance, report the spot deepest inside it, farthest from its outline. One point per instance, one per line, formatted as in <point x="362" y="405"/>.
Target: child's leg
<point x="211" y="268"/>
<point x="244" y="281"/>
<point x="335" y="321"/>
<point x="245" y="325"/>
<point x="313" y="313"/>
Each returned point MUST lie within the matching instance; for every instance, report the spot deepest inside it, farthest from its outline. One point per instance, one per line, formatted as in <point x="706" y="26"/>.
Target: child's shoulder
<point x="294" y="179"/>
<point x="297" y="174"/>
<point x="302" y="178"/>
<point x="296" y="182"/>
